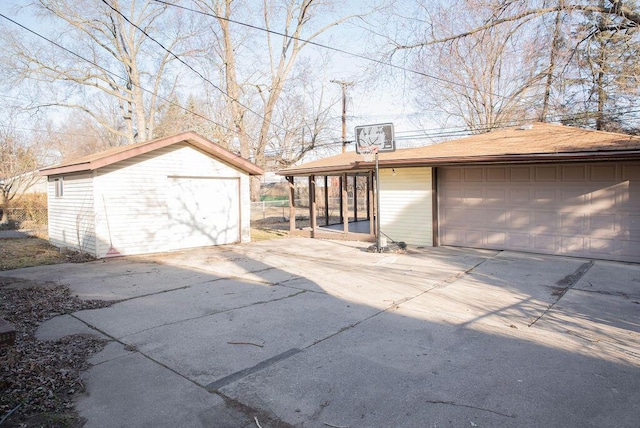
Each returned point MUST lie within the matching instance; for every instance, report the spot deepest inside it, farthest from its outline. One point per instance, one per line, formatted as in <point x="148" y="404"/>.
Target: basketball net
<point x="368" y="152"/>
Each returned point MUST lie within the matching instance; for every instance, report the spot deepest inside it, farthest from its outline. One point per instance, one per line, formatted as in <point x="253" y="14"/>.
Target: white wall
<point x="406" y="202"/>
<point x="131" y="198"/>
<point x="71" y="216"/>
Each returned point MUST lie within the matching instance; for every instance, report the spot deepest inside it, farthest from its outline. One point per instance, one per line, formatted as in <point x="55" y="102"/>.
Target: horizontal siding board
<point x="406" y="205"/>
<point x="71" y="216"/>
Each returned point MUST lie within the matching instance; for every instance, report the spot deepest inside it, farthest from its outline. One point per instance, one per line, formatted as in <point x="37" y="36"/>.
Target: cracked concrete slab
<point x="210" y="348"/>
<point x="301" y="332"/>
<point x="65" y="325"/>
<point x="398" y="370"/>
<point x="197" y="301"/>
<point x="113" y="279"/>
<point x="135" y="391"/>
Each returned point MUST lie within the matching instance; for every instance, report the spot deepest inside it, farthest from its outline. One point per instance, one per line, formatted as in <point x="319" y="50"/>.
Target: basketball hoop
<point x="368" y="152"/>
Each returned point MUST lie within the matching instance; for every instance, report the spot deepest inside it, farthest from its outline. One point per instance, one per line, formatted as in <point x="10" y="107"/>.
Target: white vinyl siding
<point x="406" y="203"/>
<point x="132" y="198"/>
<point x="71" y="215"/>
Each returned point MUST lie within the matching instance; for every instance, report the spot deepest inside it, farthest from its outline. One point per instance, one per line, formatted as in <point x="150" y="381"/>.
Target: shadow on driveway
<point x="301" y="332"/>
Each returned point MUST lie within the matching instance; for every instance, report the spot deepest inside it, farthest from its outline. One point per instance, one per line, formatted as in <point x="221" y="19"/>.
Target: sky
<point x="367" y="102"/>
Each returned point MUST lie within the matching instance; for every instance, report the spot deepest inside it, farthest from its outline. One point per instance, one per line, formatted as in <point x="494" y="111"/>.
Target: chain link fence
<point x="25" y="218"/>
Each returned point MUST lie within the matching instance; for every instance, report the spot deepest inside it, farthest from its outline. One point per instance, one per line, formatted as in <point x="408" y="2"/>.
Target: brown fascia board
<point x="527" y="158"/>
<point x="354" y="167"/>
<point x="187" y="137"/>
<point x="468" y="160"/>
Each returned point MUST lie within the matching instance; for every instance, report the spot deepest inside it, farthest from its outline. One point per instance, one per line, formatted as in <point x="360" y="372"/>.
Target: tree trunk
<point x="5" y="208"/>
<point x="555" y="45"/>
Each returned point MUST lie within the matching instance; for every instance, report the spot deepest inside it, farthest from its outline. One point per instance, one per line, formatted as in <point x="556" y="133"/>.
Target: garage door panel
<point x="544" y="243"/>
<point x="496" y="196"/>
<point x="519" y="240"/>
<point x="572" y="245"/>
<point x="586" y="210"/>
<point x="496" y="238"/>
<point x="573" y="222"/>
<point x="544" y="219"/>
<point x="572" y="197"/>
<point x="631" y="172"/>
<point x="603" y="173"/>
<point x="520" y="220"/>
<point x="630" y="224"/>
<point x="519" y="196"/>
<point x="520" y="174"/>
<point x="546" y="173"/>
<point x="573" y="173"/>
<point x="471" y="236"/>
<point x="602" y="246"/>
<point x="495" y="218"/>
<point x="545" y="196"/>
<point x="602" y="222"/>
<point x="203" y="211"/>
<point x="497" y="174"/>
<point x="474" y="175"/>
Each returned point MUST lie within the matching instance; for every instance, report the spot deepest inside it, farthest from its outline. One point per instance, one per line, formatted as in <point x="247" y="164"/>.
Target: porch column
<point x="312" y="204"/>
<point x="345" y="204"/>
<point x="342" y="185"/>
<point x="371" y="204"/>
<point x="292" y="203"/>
<point x="355" y="197"/>
<point x="326" y="200"/>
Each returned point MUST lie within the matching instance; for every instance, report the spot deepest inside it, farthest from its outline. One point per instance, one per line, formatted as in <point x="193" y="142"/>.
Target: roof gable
<point x="120" y="153"/>
<point x="539" y="141"/>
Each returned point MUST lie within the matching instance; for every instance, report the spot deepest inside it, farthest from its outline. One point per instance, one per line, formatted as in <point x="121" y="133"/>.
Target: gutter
<point x="361" y="166"/>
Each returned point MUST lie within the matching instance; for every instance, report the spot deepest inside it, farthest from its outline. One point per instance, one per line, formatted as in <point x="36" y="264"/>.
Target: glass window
<point x="59" y="183"/>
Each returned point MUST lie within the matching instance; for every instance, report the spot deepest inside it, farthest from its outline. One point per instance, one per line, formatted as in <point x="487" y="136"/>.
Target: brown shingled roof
<point x="117" y="154"/>
<point x="536" y="142"/>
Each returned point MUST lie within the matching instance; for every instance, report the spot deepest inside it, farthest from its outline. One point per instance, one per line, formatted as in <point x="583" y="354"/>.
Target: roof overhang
<point x="361" y="166"/>
<point x="108" y="157"/>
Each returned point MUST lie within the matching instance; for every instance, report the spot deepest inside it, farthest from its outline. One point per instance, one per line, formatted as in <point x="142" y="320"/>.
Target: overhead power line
<point x="205" y="79"/>
<point x="58" y="45"/>
<point x="323" y="46"/>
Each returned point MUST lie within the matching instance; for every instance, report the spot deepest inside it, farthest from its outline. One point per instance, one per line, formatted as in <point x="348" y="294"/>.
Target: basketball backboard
<point x="379" y="135"/>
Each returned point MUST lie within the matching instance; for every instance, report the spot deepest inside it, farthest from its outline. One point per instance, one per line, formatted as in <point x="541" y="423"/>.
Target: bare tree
<point x="107" y="61"/>
<point x="607" y="74"/>
<point x="305" y="113"/>
<point x="18" y="167"/>
<point x="579" y="29"/>
<point x="253" y="91"/>
<point x="483" y="80"/>
<point x="620" y="15"/>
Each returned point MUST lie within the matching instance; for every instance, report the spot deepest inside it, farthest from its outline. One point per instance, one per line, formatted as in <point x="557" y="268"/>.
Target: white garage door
<point x="586" y="209"/>
<point x="203" y="211"/>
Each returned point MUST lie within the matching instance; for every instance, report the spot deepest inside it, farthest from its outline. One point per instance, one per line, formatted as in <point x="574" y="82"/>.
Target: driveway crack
<point x="262" y="302"/>
<point x="565" y="285"/>
<point x="468" y="406"/>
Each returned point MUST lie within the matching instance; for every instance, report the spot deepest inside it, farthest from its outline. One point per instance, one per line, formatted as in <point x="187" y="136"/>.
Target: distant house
<point x="161" y="195"/>
<point x="27" y="183"/>
<point x="544" y="188"/>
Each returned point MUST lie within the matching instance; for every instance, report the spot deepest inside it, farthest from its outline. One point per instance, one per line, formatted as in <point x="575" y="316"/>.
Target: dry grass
<point x="19" y="253"/>
<point x="265" y="233"/>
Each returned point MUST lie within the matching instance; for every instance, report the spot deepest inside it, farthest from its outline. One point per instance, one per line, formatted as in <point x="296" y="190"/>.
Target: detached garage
<point x="541" y="188"/>
<point x="161" y="195"/>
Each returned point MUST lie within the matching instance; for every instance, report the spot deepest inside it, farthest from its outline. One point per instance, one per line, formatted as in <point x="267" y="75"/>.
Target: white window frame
<point x="59" y="187"/>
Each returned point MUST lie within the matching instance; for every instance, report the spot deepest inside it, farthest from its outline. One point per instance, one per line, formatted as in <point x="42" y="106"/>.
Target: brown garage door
<point x="579" y="209"/>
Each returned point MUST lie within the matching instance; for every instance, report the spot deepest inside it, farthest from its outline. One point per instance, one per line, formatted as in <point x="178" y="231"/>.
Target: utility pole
<point x="344" y="85"/>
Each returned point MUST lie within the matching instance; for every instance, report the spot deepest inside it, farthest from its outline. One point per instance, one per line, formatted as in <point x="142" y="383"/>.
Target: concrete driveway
<point x="312" y="333"/>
